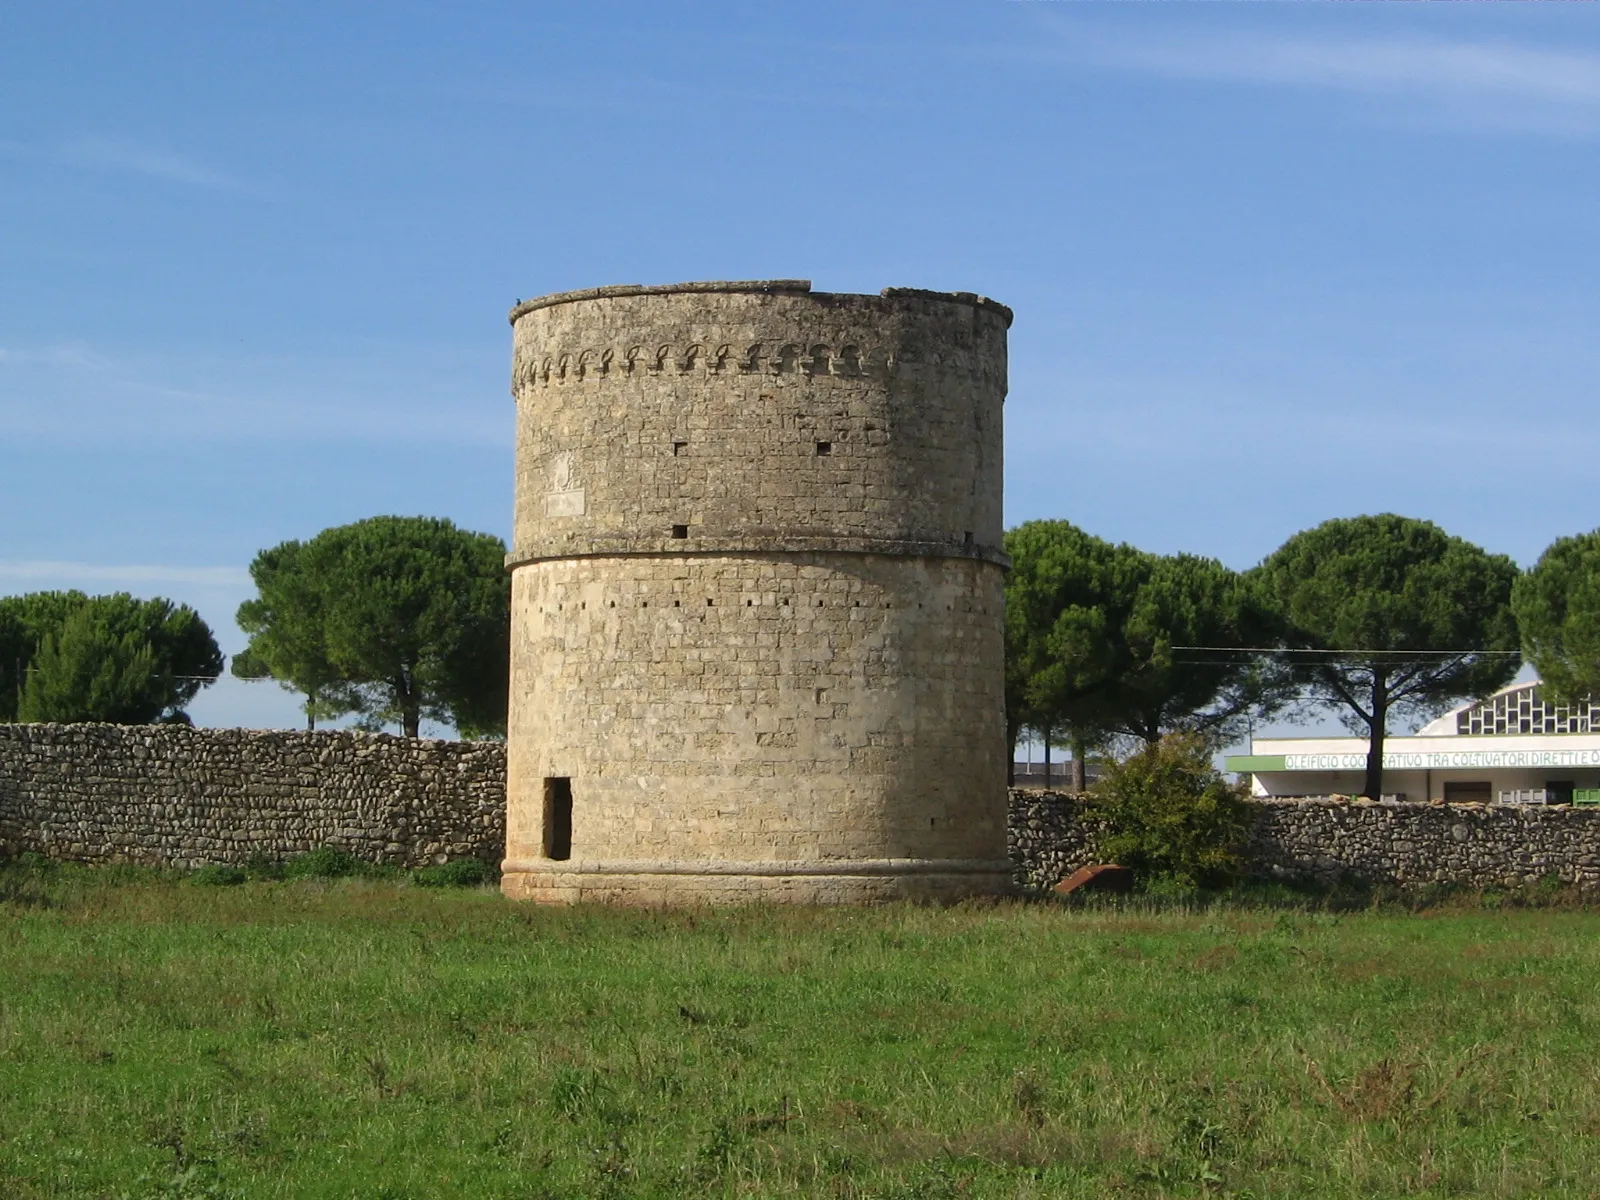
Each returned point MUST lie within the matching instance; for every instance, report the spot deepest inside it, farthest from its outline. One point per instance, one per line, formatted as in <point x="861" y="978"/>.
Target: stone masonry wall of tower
<point x="756" y="601"/>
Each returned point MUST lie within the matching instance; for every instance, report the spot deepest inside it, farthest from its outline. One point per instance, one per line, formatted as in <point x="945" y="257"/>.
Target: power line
<point x="30" y="669"/>
<point x="1346" y="653"/>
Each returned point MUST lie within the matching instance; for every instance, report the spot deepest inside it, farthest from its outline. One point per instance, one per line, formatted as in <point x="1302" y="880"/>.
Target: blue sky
<point x="1271" y="262"/>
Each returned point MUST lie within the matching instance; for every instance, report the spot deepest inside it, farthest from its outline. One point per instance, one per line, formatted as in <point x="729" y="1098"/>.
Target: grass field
<point x="369" y="1038"/>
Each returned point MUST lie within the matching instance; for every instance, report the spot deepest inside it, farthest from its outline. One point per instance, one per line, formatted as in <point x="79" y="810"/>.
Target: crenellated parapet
<point x="748" y="287"/>
<point x="816" y="346"/>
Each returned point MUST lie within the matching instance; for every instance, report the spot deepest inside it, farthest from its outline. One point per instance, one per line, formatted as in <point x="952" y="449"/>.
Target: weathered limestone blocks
<point x="167" y="795"/>
<point x="757" y="629"/>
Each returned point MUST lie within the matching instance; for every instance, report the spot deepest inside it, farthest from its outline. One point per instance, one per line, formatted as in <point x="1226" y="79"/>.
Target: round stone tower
<point x="757" y="634"/>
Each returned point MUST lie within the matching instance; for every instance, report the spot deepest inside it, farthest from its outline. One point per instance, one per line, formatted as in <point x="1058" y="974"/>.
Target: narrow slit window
<point x="558" y="817"/>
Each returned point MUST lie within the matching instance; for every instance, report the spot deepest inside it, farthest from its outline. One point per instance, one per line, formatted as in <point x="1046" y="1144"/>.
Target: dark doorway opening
<point x="557" y="817"/>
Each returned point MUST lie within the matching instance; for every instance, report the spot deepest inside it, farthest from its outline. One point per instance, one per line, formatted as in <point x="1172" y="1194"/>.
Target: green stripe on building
<point x="1246" y="763"/>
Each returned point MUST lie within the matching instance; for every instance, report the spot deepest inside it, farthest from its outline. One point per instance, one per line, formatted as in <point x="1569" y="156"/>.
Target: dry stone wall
<point x="167" y="795"/>
<point x="187" y="797"/>
<point x="1049" y="836"/>
<point x="1476" y="845"/>
<point x="1331" y="841"/>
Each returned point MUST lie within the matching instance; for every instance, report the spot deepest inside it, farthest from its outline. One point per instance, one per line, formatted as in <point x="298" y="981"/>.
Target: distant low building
<point x="1514" y="747"/>
<point x="1032" y="774"/>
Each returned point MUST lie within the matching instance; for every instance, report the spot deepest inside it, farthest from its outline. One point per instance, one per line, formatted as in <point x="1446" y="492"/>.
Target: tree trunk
<point x="1077" y="781"/>
<point x="1012" y="733"/>
<point x="1373" y="787"/>
<point x="410" y="705"/>
<point x="1047" y="759"/>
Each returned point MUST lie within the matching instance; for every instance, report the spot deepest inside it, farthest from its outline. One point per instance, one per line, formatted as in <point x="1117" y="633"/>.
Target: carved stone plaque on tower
<point x="565" y="497"/>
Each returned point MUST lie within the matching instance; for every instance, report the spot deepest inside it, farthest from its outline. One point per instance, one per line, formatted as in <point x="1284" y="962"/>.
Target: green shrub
<point x="462" y="872"/>
<point x="218" y="875"/>
<point x="259" y="866"/>
<point x="33" y="864"/>
<point x="1172" y="817"/>
<point x="25" y="880"/>
<point x="325" y="862"/>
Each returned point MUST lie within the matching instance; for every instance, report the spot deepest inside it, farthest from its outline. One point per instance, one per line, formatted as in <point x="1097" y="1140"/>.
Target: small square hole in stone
<point x="678" y="448"/>
<point x="824" y="449"/>
<point x="680" y="531"/>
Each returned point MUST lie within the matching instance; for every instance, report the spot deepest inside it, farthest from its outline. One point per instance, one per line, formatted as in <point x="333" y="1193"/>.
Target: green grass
<point x="366" y="1037"/>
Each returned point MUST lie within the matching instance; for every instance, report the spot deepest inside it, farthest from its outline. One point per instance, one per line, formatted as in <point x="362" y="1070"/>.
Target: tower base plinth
<point x="845" y="881"/>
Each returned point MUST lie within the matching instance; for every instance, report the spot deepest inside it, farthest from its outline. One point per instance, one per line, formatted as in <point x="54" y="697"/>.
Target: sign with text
<point x="1445" y="760"/>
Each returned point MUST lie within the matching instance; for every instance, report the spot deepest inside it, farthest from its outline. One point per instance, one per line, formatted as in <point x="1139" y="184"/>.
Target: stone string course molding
<point x="1328" y="841"/>
<point x="165" y="795"/>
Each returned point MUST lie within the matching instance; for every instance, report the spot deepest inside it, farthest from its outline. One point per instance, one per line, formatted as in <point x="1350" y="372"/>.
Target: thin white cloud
<point x="1386" y="66"/>
<point x="121" y="155"/>
<point x="68" y="353"/>
<point x="1479" y="74"/>
<point x="70" y="389"/>
<point x="128" y="574"/>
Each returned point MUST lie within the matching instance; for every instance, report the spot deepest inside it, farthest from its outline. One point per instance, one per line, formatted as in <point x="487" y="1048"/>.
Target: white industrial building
<point x="1514" y="747"/>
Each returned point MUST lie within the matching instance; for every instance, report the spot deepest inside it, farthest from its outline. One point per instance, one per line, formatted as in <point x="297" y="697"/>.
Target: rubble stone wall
<point x="185" y="797"/>
<point x="172" y="796"/>
<point x="1329" y="841"/>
